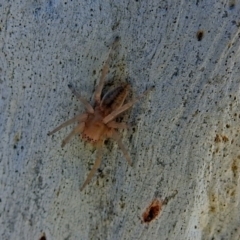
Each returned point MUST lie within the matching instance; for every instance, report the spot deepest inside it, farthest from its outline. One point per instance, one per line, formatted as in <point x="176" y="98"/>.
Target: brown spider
<point x="97" y="124"/>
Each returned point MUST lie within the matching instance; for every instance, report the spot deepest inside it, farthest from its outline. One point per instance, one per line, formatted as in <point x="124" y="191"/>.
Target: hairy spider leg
<point x="75" y="131"/>
<point x="125" y="107"/>
<point x="79" y="118"/>
<point x="116" y="136"/>
<point x="105" y="69"/>
<point x="94" y="168"/>
<point x="118" y="125"/>
<point x="99" y="88"/>
<point x="83" y="100"/>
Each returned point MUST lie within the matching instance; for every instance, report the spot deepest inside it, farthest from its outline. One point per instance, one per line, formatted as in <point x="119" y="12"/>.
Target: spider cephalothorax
<point x="98" y="124"/>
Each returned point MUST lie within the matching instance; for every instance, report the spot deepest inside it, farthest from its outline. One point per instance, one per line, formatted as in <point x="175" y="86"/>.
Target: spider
<point x="98" y="123"/>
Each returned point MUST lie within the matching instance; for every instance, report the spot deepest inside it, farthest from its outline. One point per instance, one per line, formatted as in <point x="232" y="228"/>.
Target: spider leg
<point x="94" y="169"/>
<point x="83" y="100"/>
<point x="99" y="88"/>
<point x="118" y="125"/>
<point x="75" y="131"/>
<point x="116" y="136"/>
<point x="105" y="69"/>
<point x="125" y="107"/>
<point x="80" y="118"/>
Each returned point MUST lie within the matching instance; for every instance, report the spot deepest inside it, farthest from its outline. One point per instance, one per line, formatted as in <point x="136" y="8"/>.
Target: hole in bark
<point x="200" y="35"/>
<point x="232" y="4"/>
<point x="152" y="211"/>
<point x="43" y="237"/>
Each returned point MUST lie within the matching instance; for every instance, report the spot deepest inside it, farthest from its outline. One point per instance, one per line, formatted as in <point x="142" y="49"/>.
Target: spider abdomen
<point x="114" y="99"/>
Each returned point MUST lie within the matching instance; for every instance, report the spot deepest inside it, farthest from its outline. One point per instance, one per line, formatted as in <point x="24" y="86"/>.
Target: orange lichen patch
<point x="220" y="138"/>
<point x="234" y="167"/>
<point x="213" y="201"/>
<point x="217" y="139"/>
<point x="152" y="211"/>
<point x="225" y="139"/>
<point x="212" y="209"/>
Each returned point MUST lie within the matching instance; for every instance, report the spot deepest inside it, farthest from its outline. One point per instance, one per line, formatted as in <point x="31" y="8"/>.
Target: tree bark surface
<point x="185" y="141"/>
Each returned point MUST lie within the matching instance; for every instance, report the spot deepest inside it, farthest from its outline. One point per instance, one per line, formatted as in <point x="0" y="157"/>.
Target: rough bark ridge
<point x="185" y="144"/>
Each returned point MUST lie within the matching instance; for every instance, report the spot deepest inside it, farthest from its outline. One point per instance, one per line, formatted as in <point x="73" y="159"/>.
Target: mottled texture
<point x="185" y="144"/>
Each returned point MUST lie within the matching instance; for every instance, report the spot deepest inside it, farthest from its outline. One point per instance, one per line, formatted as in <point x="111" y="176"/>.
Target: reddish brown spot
<point x="152" y="211"/>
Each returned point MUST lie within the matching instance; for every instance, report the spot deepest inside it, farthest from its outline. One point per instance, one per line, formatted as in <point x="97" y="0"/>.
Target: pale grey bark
<point x="186" y="137"/>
